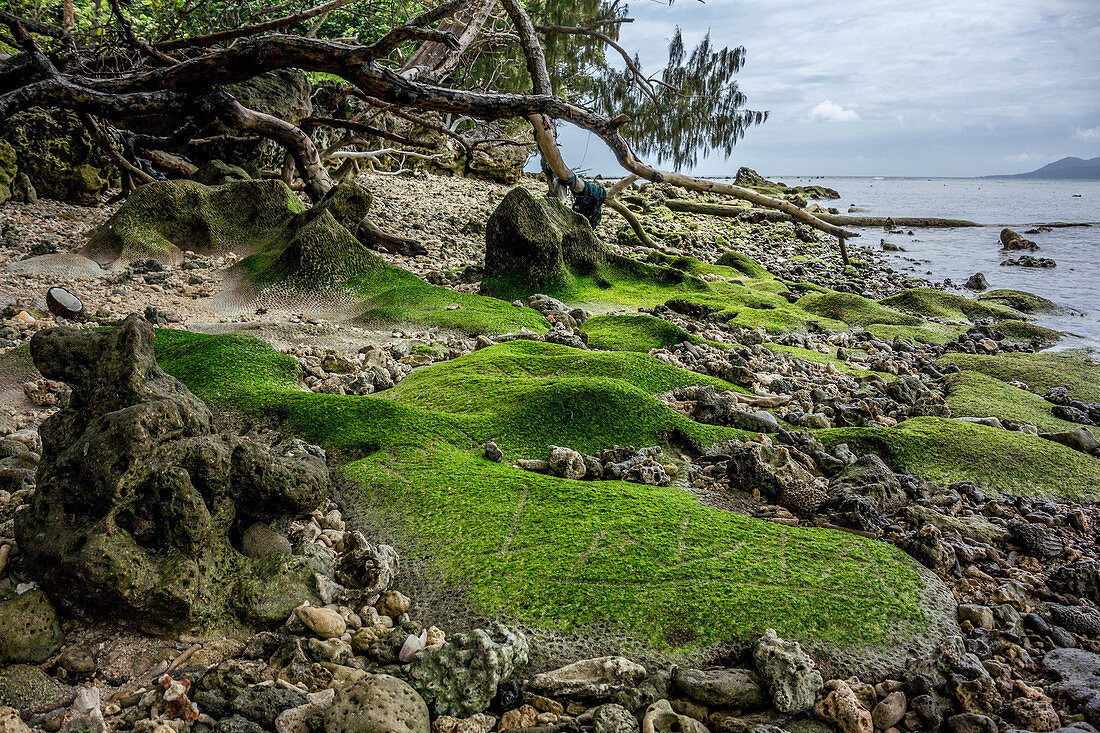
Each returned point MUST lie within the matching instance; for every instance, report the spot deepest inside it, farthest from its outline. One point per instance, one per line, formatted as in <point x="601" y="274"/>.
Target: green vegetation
<point x="945" y="451"/>
<point x="650" y="561"/>
<point x="634" y="332"/>
<point x="1018" y="300"/>
<point x="973" y="394"/>
<point x="948" y="306"/>
<point x="743" y="264"/>
<point x="1040" y="372"/>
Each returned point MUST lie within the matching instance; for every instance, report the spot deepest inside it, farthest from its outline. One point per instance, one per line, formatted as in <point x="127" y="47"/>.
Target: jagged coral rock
<point x="460" y="677"/>
<point x="138" y="496"/>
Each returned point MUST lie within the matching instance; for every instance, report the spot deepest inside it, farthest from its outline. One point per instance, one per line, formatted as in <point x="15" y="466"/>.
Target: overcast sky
<point x="882" y="87"/>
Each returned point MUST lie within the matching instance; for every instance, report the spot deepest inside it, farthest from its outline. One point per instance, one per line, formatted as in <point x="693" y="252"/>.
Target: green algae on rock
<point x="649" y="561"/>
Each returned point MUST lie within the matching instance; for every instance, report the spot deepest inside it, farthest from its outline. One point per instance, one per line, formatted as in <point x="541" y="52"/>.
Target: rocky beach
<point x="557" y="481"/>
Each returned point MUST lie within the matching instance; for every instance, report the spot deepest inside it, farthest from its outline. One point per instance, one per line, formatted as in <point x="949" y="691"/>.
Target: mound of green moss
<point x="634" y="332"/>
<point x="973" y="394"/>
<point x="945" y="451"/>
<point x="1040" y="372"/>
<point x="948" y="306"/>
<point x="650" y="562"/>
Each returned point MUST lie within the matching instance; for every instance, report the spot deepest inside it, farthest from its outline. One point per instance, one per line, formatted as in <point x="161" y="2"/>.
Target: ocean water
<point x="938" y="254"/>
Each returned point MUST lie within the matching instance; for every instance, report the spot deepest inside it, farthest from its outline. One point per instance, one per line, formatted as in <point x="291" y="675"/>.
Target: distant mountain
<point x="1069" y="169"/>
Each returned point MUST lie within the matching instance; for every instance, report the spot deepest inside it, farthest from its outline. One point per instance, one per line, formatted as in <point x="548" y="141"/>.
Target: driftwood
<point x="746" y="213"/>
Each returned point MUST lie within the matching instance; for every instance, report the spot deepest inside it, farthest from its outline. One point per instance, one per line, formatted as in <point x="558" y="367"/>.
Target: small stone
<point x="525" y="716"/>
<point x="661" y="718"/>
<point x="842" y="708"/>
<point x="980" y="616"/>
<point x="323" y="622"/>
<point x="259" y="540"/>
<point x="393" y="603"/>
<point x="890" y="710"/>
<point x="493" y="452"/>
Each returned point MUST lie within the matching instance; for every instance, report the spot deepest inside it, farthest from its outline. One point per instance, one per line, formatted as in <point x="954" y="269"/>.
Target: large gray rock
<point x="1076" y="675"/>
<point x="661" y="718"/>
<point x="137" y="496"/>
<point x="29" y="630"/>
<point x="566" y="463"/>
<point x="788" y="673"/>
<point x="378" y="703"/>
<point x="591" y="679"/>
<point x="737" y="688"/>
<point x="530" y="242"/>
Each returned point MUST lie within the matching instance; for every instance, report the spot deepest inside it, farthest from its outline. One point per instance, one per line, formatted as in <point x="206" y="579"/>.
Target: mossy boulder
<point x="23" y="686"/>
<point x="55" y="151"/>
<point x="29" y="630"/>
<point x="137" y="497"/>
<point x="742" y="263"/>
<point x="9" y="169"/>
<point x="162" y="219"/>
<point x="530" y="243"/>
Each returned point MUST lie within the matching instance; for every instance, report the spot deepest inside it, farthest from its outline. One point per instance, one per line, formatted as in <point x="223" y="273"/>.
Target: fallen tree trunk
<point x="744" y="212"/>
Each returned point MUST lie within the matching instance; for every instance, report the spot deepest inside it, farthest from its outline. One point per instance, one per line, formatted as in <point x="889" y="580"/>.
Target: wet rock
<point x="889" y="711"/>
<point x="461" y="676"/>
<point x="1079" y="438"/>
<point x="1011" y="240"/>
<point x="259" y="540"/>
<point x="24" y="686"/>
<point x="1078" y="619"/>
<point x="1036" y="539"/>
<point x="660" y="718"/>
<point x="738" y="688"/>
<point x="977" y="282"/>
<point x="138" y="494"/>
<point x="378" y="703"/>
<point x="324" y="622"/>
<point x="29" y="630"/>
<point x="788" y="673"/>
<point x="612" y="718"/>
<point x="589" y="679"/>
<point x="970" y="723"/>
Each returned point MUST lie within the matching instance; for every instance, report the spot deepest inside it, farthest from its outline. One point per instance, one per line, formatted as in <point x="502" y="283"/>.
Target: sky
<point x="882" y="87"/>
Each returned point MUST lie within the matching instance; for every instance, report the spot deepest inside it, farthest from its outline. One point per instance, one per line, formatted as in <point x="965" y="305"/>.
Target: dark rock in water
<point x="1029" y="261"/>
<point x="1011" y="240"/>
<point x="1080" y="578"/>
<point x="530" y="242"/>
<point x="1036" y="539"/>
<point x="977" y="282"/>
<point x="137" y="497"/>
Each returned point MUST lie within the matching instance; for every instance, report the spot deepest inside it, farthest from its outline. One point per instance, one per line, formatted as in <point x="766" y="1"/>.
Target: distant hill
<point x="1070" y="169"/>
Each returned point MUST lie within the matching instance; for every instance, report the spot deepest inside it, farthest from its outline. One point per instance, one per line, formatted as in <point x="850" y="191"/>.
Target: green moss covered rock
<point x="55" y="151"/>
<point x="29" y="630"/>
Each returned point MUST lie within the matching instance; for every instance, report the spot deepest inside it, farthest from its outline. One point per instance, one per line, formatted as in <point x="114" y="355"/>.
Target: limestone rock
<point x="566" y="463"/>
<point x="24" y="686"/>
<point x="324" y="622"/>
<point x="480" y="723"/>
<point x="889" y="711"/>
<point x="525" y="716"/>
<point x="613" y="718"/>
<point x="10" y="722"/>
<point x="259" y="540"/>
<point x="841" y="707"/>
<point x="775" y="472"/>
<point x="788" y="673"/>
<point x="660" y="718"/>
<point x="378" y="703"/>
<point x="736" y="688"/>
<point x="460" y="677"/>
<point x="137" y="495"/>
<point x="29" y="631"/>
<point x="594" y="679"/>
<point x="529" y="242"/>
<point x="294" y="719"/>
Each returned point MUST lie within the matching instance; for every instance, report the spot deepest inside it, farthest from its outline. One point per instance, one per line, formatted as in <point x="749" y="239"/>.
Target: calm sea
<point x="936" y="254"/>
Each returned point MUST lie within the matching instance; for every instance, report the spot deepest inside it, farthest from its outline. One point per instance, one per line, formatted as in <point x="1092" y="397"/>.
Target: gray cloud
<point x="938" y="87"/>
